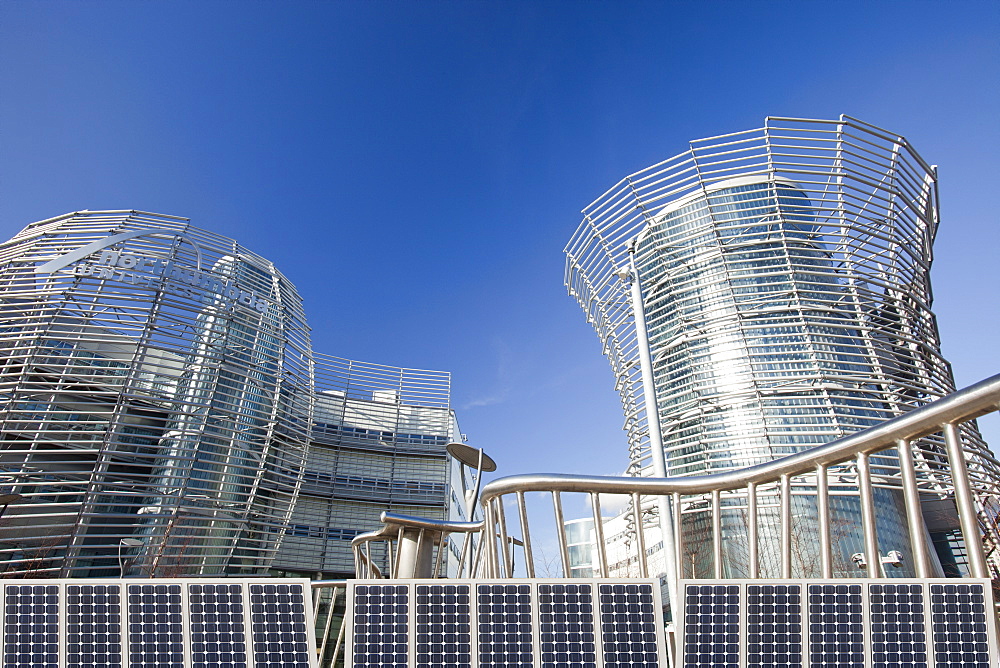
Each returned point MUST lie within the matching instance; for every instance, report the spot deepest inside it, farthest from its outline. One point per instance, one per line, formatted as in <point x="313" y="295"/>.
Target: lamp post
<point x="631" y="276"/>
<point x="128" y="542"/>
<point x="478" y="459"/>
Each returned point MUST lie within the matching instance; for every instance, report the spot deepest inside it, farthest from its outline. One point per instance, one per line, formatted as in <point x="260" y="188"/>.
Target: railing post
<point x="964" y="502"/>
<point x="522" y="513"/>
<point x="602" y="554"/>
<point x="914" y="513"/>
<point x="753" y="568"/>
<point x="785" y="502"/>
<point x="872" y="555"/>
<point x="716" y="534"/>
<point x="823" y="516"/>
<point x="640" y="537"/>
<point x="561" y="532"/>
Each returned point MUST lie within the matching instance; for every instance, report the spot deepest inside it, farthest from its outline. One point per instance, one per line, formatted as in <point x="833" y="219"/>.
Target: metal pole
<point x="872" y="555"/>
<point x="653" y="426"/>
<point x="529" y="559"/>
<point x="752" y="538"/>
<point x="823" y="514"/>
<point x="914" y="514"/>
<point x="786" y="526"/>
<point x="640" y="538"/>
<point x="965" y="502"/>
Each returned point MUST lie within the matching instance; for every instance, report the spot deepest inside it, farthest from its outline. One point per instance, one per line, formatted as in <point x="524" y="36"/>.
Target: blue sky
<point x="416" y="168"/>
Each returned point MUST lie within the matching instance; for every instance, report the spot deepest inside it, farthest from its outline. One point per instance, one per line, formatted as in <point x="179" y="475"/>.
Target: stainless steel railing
<point x="803" y="473"/>
<point x="855" y="464"/>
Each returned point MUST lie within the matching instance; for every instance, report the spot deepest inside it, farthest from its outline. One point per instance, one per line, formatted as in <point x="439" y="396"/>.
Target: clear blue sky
<point x="416" y="168"/>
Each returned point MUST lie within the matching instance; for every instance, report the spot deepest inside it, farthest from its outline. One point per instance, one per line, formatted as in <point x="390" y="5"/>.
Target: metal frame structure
<point x="155" y="387"/>
<point x="769" y="292"/>
<point x="379" y="439"/>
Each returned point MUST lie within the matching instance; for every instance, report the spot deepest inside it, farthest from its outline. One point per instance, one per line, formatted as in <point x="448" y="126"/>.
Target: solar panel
<point x="566" y="625"/>
<point x="505" y="628"/>
<point x="958" y="619"/>
<point x="774" y="624"/>
<point x="836" y="629"/>
<point x="711" y="626"/>
<point x="176" y="623"/>
<point x="897" y="624"/>
<point x="278" y="622"/>
<point x="154" y="626"/>
<point x="381" y="625"/>
<point x="444" y="633"/>
<point x="31" y="631"/>
<point x="576" y="623"/>
<point x="218" y="626"/>
<point x="883" y="623"/>
<point x="93" y="626"/>
<point x="628" y="625"/>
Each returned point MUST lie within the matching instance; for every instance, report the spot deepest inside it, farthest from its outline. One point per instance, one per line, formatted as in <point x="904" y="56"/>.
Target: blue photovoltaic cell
<point x="628" y="626"/>
<point x="566" y="625"/>
<point x="93" y="626"/>
<point x="896" y="616"/>
<point x="154" y="626"/>
<point x="774" y="625"/>
<point x="958" y="620"/>
<point x="278" y="625"/>
<point x="31" y="626"/>
<point x="836" y="628"/>
<point x="218" y="635"/>
<point x="443" y="634"/>
<point x="380" y="626"/>
<point x="711" y="626"/>
<point x="504" y="625"/>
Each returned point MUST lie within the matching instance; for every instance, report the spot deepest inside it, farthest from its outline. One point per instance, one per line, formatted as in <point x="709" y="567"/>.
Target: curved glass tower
<point x="156" y="386"/>
<point x="786" y="298"/>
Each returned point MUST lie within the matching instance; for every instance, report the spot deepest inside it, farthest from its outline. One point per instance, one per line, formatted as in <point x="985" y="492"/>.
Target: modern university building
<point x="765" y="292"/>
<point x="163" y="412"/>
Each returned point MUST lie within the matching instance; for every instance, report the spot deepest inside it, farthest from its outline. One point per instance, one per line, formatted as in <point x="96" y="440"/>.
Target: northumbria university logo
<point x="157" y="273"/>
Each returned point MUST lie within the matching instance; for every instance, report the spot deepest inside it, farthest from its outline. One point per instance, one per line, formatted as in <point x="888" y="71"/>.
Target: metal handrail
<point x="962" y="406"/>
<point x="944" y="415"/>
<point x="397" y="530"/>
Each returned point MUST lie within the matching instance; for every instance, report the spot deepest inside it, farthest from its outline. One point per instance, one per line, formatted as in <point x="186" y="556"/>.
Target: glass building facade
<point x="162" y="412"/>
<point x="786" y="298"/>
<point x="378" y="443"/>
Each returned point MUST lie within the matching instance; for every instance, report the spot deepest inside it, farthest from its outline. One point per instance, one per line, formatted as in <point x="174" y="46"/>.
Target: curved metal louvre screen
<point x="156" y="387"/>
<point x="784" y="274"/>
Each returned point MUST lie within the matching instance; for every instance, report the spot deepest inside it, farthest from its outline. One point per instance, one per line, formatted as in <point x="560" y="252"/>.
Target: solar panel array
<point x="838" y="623"/>
<point x="176" y="623"/>
<point x="505" y="624"/>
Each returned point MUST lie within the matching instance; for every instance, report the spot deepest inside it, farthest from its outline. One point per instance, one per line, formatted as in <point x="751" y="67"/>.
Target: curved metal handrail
<point x="961" y="406"/>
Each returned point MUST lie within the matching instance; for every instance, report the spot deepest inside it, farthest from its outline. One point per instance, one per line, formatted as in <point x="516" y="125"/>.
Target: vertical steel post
<point x="823" y="514"/>
<point x="872" y="555"/>
<point x="522" y="512"/>
<point x="914" y="513"/>
<point x="965" y="502"/>
<point x="561" y="533"/>
<point x="786" y="526"/>
<point x="753" y="571"/>
<point x="716" y="534"/>
<point x="653" y="425"/>
<point x="640" y="536"/>
<point x="602" y="555"/>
